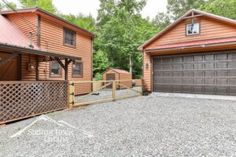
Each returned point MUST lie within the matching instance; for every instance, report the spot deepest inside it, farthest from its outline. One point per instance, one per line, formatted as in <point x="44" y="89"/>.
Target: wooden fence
<point x="104" y="91"/>
<point x="23" y="99"/>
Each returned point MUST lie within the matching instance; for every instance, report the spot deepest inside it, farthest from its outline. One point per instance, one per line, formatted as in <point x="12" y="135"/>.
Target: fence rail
<point x="103" y="91"/>
<point x="23" y="99"/>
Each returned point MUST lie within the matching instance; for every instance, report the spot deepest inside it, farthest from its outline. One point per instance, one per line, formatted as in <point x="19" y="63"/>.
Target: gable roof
<point x="202" y="13"/>
<point x="47" y="14"/>
<point x="11" y="35"/>
<point x="120" y="71"/>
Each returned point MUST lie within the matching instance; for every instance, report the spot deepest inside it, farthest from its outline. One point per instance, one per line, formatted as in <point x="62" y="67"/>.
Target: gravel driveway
<point x="142" y="126"/>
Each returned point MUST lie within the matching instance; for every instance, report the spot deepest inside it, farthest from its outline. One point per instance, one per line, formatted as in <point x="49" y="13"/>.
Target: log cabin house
<point x="195" y="54"/>
<point x="36" y="45"/>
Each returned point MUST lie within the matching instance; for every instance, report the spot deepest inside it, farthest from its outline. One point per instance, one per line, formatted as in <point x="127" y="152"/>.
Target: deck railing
<point x="23" y="99"/>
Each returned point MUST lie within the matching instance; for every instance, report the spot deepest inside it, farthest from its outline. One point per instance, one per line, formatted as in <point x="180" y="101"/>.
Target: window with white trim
<point x="193" y="29"/>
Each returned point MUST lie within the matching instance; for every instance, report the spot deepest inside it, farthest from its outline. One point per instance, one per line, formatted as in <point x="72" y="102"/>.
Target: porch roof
<point x="24" y="50"/>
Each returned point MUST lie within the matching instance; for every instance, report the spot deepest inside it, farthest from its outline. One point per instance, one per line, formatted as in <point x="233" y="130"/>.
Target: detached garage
<point x="195" y="54"/>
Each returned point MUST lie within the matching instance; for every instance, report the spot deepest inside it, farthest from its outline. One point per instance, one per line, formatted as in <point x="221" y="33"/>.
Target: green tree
<point x="176" y="8"/>
<point x="44" y="4"/>
<point x="7" y="6"/>
<point x="162" y="20"/>
<point x="226" y="8"/>
<point x="100" y="63"/>
<point x="121" y="30"/>
<point x="86" y="22"/>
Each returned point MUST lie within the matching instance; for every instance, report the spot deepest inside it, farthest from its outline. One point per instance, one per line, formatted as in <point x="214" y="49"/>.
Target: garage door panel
<point x="198" y="58"/>
<point x="177" y="88"/>
<point x="221" y="81"/>
<point x="198" y="66"/>
<point x="209" y="57"/>
<point x="232" y="57"/>
<point x="198" y="89"/>
<point x="177" y="66"/>
<point x="232" y="90"/>
<point x="197" y="73"/>
<point x="187" y="89"/>
<point x="209" y="89"/>
<point x="209" y="81"/>
<point x="221" y="56"/>
<point x="222" y="90"/>
<point x="188" y="58"/>
<point x="209" y="73"/>
<point x="198" y="81"/>
<point x="188" y="66"/>
<point x="209" y="65"/>
<point x="221" y="73"/>
<point x="232" y="72"/>
<point x="232" y="65"/>
<point x="188" y="73"/>
<point x="221" y="65"/>
<point x="232" y="81"/>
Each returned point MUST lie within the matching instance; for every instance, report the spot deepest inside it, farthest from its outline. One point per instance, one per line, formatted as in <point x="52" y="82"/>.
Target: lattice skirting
<point x="23" y="99"/>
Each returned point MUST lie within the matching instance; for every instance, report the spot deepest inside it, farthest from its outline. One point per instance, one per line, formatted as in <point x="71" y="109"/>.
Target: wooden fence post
<point x="71" y="94"/>
<point x="114" y="90"/>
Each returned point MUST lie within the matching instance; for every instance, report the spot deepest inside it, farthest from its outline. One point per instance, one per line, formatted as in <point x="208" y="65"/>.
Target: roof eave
<point x="17" y="49"/>
<point x="39" y="10"/>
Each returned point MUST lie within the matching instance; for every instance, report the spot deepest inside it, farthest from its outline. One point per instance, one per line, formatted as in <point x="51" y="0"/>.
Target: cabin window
<point x="69" y="37"/>
<point x="55" y="69"/>
<point x="193" y="29"/>
<point x="77" y="69"/>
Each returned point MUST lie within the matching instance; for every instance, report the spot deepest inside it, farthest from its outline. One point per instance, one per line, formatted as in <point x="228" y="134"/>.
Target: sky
<point x="87" y="7"/>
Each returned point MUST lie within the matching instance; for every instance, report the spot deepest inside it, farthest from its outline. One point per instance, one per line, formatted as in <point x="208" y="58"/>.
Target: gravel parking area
<point x="142" y="126"/>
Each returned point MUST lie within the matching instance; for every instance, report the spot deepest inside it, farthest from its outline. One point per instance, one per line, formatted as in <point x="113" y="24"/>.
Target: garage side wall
<point x="147" y="72"/>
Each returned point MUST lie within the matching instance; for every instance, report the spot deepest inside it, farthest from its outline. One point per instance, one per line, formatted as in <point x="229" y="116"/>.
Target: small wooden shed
<point x="124" y="77"/>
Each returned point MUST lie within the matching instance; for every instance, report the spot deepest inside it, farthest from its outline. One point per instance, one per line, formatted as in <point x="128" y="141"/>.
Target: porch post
<point x="37" y="68"/>
<point x="19" y="67"/>
<point x="66" y="69"/>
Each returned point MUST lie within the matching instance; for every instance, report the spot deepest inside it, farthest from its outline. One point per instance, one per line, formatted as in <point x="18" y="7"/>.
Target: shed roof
<point x="10" y="34"/>
<point x="121" y="71"/>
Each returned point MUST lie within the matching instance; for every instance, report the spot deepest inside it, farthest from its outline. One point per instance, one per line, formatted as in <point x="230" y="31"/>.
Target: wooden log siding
<point x="22" y="99"/>
<point x="209" y="29"/>
<point x="26" y="23"/>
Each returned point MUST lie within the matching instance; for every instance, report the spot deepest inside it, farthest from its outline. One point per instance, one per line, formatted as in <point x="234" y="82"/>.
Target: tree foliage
<point x="7" y="6"/>
<point x="44" y="4"/>
<point x="226" y="8"/>
<point x="121" y="30"/>
<point x="177" y="8"/>
<point x="86" y="22"/>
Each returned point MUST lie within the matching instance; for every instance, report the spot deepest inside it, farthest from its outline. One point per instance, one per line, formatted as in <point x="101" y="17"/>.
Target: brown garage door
<point x="204" y="73"/>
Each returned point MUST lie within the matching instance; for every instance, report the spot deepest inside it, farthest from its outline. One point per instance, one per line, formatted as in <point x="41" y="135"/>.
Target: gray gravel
<point x="142" y="126"/>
